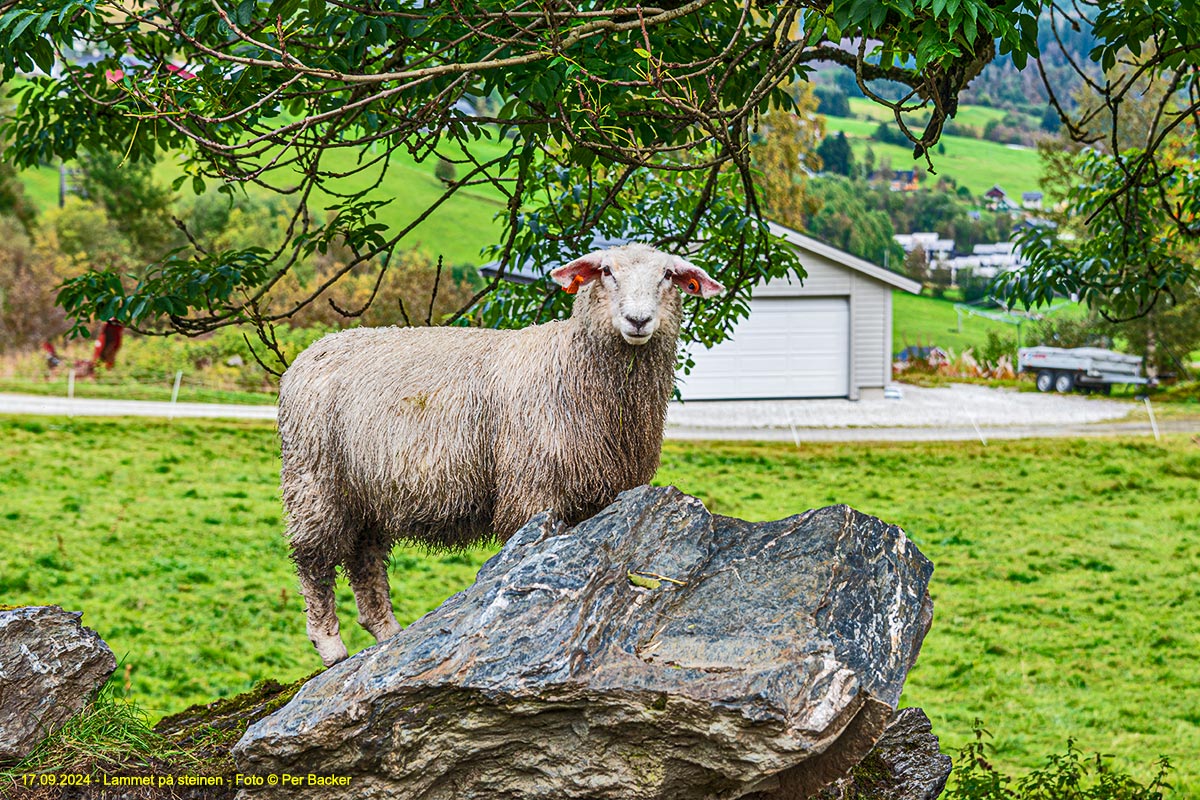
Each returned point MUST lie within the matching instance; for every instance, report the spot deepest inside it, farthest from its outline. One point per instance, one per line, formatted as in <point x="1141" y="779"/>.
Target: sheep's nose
<point x="638" y="323"/>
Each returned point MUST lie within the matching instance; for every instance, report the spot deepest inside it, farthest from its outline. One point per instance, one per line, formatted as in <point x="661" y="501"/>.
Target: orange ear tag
<point x="574" y="285"/>
<point x="694" y="286"/>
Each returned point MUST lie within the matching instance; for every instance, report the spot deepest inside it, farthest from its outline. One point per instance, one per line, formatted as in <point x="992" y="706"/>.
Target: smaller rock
<point x="906" y="764"/>
<point x="50" y="666"/>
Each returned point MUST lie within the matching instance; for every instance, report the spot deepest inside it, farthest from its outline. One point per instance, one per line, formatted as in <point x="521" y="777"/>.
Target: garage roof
<point x="843" y="258"/>
<point x="526" y="273"/>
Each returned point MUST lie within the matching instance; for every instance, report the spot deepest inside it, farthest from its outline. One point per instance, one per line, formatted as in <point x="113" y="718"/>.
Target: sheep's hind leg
<point x="367" y="569"/>
<point x="317" y="586"/>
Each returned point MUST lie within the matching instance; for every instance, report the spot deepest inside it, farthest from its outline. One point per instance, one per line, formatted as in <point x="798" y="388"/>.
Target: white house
<point x="830" y="336"/>
<point x="936" y="248"/>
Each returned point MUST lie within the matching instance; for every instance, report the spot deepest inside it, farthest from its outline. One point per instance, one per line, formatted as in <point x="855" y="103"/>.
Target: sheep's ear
<point x="580" y="271"/>
<point x="694" y="280"/>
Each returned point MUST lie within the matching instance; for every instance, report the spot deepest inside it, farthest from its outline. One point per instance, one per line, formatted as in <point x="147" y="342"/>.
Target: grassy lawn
<point x="924" y="320"/>
<point x="974" y="163"/>
<point x="457" y="230"/>
<point x="972" y="116"/>
<point x="1065" y="592"/>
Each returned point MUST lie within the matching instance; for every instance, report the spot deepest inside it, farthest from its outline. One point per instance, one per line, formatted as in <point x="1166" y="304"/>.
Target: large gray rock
<point x="906" y="764"/>
<point x="653" y="651"/>
<point x="50" y="665"/>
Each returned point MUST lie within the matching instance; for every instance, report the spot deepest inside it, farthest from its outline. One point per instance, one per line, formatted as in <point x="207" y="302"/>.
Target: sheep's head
<point x="634" y="283"/>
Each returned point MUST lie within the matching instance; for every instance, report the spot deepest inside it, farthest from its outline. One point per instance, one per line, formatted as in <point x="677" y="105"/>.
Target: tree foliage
<point x="137" y="204"/>
<point x="844" y="220"/>
<point x="1137" y="192"/>
<point x="612" y="119"/>
<point x="788" y="152"/>
<point x="836" y="155"/>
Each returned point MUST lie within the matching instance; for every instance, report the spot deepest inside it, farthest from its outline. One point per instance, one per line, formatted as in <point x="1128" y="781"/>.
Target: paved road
<point x="795" y="421"/>
<point x="87" y="407"/>
<point x="934" y="434"/>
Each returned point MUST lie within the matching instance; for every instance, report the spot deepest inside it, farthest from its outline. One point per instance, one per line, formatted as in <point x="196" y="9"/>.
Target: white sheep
<point x="452" y="436"/>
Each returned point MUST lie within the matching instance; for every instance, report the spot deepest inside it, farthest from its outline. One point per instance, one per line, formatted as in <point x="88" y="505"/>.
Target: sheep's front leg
<point x="317" y="586"/>
<point x="367" y="570"/>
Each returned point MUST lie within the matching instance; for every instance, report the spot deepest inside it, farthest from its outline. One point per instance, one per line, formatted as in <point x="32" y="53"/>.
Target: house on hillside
<point x="899" y="180"/>
<point x="1031" y="200"/>
<point x="935" y="247"/>
<point x="989" y="260"/>
<point x="904" y="180"/>
<point x="829" y="335"/>
<point x="998" y="200"/>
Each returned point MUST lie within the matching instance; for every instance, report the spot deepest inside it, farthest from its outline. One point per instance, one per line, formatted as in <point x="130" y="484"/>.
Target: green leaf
<point x="43" y="21"/>
<point x="20" y="27"/>
<point x="643" y="581"/>
<point x="43" y="54"/>
<point x="245" y="13"/>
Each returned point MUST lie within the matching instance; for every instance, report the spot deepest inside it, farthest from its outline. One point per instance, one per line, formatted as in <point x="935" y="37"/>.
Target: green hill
<point x="975" y="163"/>
<point x="457" y="230"/>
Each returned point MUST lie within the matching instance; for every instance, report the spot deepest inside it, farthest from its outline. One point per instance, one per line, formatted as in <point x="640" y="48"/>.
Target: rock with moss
<point x="50" y="666"/>
<point x="906" y="764"/>
<point x="653" y="651"/>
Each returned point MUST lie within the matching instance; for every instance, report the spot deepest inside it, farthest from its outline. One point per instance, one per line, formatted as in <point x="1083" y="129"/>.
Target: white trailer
<point x="1063" y="369"/>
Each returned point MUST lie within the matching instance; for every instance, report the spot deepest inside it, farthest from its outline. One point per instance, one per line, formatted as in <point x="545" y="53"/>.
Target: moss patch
<point x="108" y="750"/>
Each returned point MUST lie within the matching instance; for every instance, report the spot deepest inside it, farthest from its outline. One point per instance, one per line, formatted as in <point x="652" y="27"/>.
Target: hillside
<point x="974" y="163"/>
<point x="457" y="230"/>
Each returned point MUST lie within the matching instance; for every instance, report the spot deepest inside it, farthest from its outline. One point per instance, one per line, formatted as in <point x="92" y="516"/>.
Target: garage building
<point x="830" y="336"/>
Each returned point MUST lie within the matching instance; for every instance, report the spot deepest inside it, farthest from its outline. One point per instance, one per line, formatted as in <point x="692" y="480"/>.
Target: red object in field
<point x="108" y="343"/>
<point x="51" y="355"/>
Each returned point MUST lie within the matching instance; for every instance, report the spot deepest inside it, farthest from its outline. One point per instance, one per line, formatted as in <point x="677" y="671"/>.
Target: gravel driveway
<point x="961" y="407"/>
<point x="946" y="413"/>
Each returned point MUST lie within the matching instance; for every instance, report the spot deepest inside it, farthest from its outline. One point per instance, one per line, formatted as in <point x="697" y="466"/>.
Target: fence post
<point x="1153" y="422"/>
<point x="175" y="393"/>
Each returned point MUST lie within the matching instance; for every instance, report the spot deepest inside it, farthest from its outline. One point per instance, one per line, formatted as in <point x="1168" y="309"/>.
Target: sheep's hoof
<point x="331" y="652"/>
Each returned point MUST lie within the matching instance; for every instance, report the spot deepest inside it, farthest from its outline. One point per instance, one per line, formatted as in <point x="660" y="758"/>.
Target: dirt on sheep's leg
<point x="367" y="570"/>
<point x="317" y="585"/>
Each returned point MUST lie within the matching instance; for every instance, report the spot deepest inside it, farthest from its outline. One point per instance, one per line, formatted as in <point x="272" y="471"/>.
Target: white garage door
<point x="787" y="347"/>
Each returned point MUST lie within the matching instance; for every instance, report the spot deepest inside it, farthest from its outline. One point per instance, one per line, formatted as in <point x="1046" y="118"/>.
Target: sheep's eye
<point x="606" y="271"/>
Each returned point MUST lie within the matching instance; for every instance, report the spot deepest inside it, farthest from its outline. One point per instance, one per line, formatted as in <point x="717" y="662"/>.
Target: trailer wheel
<point x="1045" y="380"/>
<point x="1064" y="382"/>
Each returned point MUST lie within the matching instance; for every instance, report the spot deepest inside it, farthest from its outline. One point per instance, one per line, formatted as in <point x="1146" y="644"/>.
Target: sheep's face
<point x="635" y="282"/>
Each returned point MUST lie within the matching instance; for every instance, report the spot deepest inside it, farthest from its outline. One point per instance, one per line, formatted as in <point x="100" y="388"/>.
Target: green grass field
<point x="458" y="230"/>
<point x="923" y="320"/>
<point x="971" y="116"/>
<point x="975" y="163"/>
<point x="1066" y="603"/>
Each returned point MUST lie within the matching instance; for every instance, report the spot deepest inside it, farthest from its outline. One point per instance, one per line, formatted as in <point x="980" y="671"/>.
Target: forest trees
<point x="1124" y="177"/>
<point x="601" y="120"/>
<point x="1131" y="143"/>
<point x="836" y="155"/>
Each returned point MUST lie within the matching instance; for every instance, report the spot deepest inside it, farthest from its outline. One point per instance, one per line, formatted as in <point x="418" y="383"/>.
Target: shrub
<point x="997" y="344"/>
<point x="1089" y="331"/>
<point x="974" y="287"/>
<point x="1064" y="777"/>
<point x="832" y="101"/>
<point x="401" y="296"/>
<point x="889" y="133"/>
